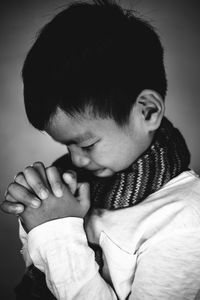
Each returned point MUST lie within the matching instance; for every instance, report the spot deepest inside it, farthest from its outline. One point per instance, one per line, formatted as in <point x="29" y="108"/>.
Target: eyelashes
<point x="89" y="147"/>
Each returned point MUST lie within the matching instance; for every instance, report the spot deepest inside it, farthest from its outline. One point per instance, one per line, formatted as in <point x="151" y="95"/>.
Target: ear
<point x="151" y="108"/>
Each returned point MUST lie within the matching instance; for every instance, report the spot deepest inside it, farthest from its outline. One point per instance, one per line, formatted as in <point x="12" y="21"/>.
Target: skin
<point x="99" y="145"/>
<point x="39" y="183"/>
<point x="51" y="208"/>
<point x="96" y="144"/>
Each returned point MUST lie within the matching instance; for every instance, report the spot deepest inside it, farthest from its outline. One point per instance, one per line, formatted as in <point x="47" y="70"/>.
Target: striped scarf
<point x="167" y="157"/>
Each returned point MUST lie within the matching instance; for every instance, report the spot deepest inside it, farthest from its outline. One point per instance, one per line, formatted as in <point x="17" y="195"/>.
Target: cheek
<point x="123" y="155"/>
<point x="113" y="157"/>
<point x="102" y="155"/>
<point x="99" y="156"/>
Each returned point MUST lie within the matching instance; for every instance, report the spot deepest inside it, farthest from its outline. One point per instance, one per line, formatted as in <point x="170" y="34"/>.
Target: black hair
<point x="93" y="55"/>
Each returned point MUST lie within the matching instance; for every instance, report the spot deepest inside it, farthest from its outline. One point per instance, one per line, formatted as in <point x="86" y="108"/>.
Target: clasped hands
<point x="40" y="194"/>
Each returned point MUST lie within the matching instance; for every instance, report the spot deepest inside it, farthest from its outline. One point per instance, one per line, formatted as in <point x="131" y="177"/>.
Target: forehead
<point x="64" y="127"/>
<point x="67" y="129"/>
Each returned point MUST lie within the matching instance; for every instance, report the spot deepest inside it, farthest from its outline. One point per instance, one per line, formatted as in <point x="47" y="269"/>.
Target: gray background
<point x="178" y="24"/>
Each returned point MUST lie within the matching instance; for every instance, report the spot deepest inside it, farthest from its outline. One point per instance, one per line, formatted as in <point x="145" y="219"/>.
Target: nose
<point x="79" y="158"/>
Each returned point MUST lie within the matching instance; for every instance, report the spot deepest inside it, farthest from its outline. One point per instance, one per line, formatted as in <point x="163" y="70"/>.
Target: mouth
<point x="103" y="172"/>
<point x="98" y="172"/>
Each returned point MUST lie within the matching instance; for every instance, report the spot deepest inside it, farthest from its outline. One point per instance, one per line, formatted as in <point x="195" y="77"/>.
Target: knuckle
<point x="33" y="178"/>
<point x="38" y="186"/>
<point x="25" y="197"/>
<point x="57" y="185"/>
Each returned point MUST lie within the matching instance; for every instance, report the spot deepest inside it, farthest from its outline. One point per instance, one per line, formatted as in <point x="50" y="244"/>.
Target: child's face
<point x="97" y="144"/>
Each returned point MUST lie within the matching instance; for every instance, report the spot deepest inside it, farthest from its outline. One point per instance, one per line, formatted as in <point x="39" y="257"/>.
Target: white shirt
<point x="151" y="250"/>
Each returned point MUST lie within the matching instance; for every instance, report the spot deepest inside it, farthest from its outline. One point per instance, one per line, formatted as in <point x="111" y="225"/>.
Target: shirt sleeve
<point x="24" y="240"/>
<point x="59" y="248"/>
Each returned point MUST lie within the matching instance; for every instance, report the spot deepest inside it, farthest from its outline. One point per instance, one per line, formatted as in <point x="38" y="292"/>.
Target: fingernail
<point x="58" y="191"/>
<point x="82" y="187"/>
<point x="19" y="209"/>
<point x="35" y="203"/>
<point x="67" y="176"/>
<point x="44" y="194"/>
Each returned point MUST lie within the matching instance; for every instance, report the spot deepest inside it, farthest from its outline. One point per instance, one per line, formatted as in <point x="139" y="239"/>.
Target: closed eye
<point x="89" y="147"/>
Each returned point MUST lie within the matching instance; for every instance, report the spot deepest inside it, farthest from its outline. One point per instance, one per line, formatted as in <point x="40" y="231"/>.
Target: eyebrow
<point x="78" y="139"/>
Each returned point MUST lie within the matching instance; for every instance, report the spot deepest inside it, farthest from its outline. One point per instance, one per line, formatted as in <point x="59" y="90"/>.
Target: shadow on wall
<point x="22" y="144"/>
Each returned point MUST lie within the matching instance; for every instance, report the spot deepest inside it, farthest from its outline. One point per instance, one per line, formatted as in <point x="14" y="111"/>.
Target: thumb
<point x="84" y="196"/>
<point x="70" y="179"/>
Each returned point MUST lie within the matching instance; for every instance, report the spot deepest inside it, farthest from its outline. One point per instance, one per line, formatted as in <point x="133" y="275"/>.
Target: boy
<point x="95" y="81"/>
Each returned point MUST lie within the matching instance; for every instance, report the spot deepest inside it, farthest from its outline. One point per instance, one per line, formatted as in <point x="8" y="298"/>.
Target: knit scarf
<point x="166" y="158"/>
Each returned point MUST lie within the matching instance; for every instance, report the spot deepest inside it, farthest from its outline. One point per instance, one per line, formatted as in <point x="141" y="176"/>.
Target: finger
<point x="22" y="195"/>
<point x="39" y="166"/>
<point x="70" y="178"/>
<point x="10" y="205"/>
<point x="9" y="198"/>
<point x="35" y="181"/>
<point x="84" y="196"/>
<point x="55" y="181"/>
<point x="19" y="178"/>
<point x="11" y="208"/>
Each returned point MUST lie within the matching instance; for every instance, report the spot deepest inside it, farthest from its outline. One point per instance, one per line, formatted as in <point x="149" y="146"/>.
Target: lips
<point x="99" y="172"/>
<point x="95" y="170"/>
